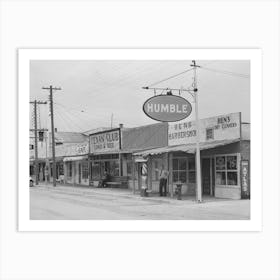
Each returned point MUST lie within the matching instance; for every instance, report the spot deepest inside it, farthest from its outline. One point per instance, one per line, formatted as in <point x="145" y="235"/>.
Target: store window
<point x="114" y="168"/>
<point x="96" y="169"/>
<point x="184" y="170"/>
<point x="157" y="164"/>
<point x="129" y="168"/>
<point x="85" y="170"/>
<point x="69" y="169"/>
<point x="209" y="133"/>
<point x="226" y="170"/>
<point x="191" y="170"/>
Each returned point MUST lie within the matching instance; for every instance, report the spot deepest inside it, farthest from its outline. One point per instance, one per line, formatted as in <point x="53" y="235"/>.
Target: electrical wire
<point x="202" y="67"/>
<point x="78" y="111"/>
<point x="70" y="118"/>
<point x="64" y="120"/>
<point x="240" y="75"/>
<point x="171" y="77"/>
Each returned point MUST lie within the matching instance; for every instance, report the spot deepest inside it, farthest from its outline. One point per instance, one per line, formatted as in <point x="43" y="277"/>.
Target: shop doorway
<point x="206" y="176"/>
<point x="80" y="172"/>
<point x="139" y="177"/>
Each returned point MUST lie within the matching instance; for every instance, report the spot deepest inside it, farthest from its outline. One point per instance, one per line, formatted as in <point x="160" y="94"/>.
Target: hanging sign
<point x="167" y="108"/>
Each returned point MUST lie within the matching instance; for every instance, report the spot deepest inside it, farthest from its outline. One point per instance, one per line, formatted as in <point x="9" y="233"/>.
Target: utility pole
<point x="112" y="115"/>
<point x="194" y="93"/>
<point x="35" y="103"/>
<point x="198" y="167"/>
<point x="51" y="89"/>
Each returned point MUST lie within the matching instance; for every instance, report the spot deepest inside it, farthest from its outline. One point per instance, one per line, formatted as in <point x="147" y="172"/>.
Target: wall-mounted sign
<point x="167" y="108"/>
<point x="245" y="185"/>
<point x="71" y="149"/>
<point x="225" y="127"/>
<point x="106" y="141"/>
<point x="82" y="149"/>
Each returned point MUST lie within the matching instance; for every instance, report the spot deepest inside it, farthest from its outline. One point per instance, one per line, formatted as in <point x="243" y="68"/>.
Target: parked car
<point x="31" y="182"/>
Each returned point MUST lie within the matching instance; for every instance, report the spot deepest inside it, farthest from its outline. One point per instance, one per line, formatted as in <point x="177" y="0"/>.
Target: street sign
<point x="167" y="108"/>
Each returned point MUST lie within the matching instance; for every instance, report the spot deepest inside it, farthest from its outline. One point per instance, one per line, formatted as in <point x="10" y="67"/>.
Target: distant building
<point x="225" y="154"/>
<point x="83" y="158"/>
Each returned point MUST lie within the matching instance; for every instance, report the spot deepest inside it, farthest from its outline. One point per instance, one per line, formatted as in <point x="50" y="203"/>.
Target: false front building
<point x="225" y="157"/>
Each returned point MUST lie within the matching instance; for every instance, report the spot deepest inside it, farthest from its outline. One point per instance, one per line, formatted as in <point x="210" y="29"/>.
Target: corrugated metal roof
<point x="70" y="137"/>
<point x="145" y="137"/>
<point x="190" y="148"/>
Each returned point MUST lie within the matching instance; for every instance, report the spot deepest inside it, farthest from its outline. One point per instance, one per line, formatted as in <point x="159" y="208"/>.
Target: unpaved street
<point x="78" y="203"/>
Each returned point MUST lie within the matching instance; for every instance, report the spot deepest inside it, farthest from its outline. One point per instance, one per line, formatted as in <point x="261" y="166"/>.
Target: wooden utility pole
<point x="35" y="103"/>
<point x="198" y="167"/>
<point x="51" y="89"/>
<point x="194" y="93"/>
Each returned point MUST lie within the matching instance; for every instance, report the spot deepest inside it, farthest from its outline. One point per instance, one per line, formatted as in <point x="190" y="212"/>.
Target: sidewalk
<point x="124" y="193"/>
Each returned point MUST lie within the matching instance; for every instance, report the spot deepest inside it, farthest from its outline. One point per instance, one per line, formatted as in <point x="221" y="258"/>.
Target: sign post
<point x="170" y="108"/>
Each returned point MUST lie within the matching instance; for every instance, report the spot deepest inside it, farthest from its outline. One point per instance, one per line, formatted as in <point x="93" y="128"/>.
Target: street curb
<point x="92" y="190"/>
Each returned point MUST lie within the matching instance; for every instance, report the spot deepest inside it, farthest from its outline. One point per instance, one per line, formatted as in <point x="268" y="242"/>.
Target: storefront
<point x="59" y="169"/>
<point x="104" y="154"/>
<point x="72" y="163"/>
<point x="112" y="151"/>
<point x="42" y="166"/>
<point x="224" y="145"/>
<point x="76" y="170"/>
<point x="140" y="139"/>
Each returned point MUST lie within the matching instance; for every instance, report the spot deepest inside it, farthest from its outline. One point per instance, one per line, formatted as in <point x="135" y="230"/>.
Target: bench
<point x="118" y="181"/>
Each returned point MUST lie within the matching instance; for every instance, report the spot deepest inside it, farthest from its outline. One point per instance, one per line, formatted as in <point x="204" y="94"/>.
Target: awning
<point x="75" y="158"/>
<point x="140" y="159"/>
<point x="189" y="148"/>
<point x="112" y="152"/>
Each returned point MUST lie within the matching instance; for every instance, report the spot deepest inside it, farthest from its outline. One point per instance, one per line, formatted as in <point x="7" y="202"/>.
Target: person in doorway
<point x="163" y="175"/>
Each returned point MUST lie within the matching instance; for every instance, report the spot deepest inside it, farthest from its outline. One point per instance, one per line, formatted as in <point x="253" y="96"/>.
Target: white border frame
<point x="24" y="57"/>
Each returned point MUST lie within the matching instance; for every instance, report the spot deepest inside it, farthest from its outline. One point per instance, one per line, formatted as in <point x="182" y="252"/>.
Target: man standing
<point x="163" y="175"/>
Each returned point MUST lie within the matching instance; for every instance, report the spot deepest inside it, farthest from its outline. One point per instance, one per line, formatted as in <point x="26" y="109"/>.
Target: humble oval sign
<point x="167" y="108"/>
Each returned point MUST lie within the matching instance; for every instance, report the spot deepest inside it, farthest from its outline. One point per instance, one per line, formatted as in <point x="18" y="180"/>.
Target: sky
<point x="100" y="93"/>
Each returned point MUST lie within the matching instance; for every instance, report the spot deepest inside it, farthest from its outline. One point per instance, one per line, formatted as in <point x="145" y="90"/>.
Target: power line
<point x="203" y="67"/>
<point x="240" y="75"/>
<point x="81" y="111"/>
<point x="71" y="119"/>
<point x="64" y="121"/>
<point x="72" y="115"/>
<point x="171" y="77"/>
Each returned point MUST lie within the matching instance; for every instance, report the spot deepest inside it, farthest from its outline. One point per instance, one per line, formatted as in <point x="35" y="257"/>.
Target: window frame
<point x="84" y="170"/>
<point x="209" y="129"/>
<point x="226" y="170"/>
<point x="187" y="170"/>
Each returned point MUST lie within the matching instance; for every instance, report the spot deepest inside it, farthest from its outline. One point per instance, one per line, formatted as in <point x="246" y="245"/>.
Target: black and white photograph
<point x="126" y="143"/>
<point x="139" y="140"/>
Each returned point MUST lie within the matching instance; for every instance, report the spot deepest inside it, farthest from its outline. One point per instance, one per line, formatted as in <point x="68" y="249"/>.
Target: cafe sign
<point x="106" y="141"/>
<point x="167" y="108"/>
